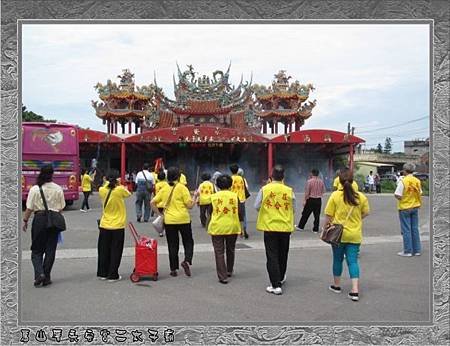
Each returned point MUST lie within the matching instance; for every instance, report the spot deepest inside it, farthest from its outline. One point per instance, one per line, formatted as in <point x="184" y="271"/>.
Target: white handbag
<point x="158" y="223"/>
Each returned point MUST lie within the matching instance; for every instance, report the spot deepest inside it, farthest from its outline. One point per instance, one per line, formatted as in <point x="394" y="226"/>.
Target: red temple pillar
<point x="269" y="158"/>
<point x="351" y="157"/>
<point x="122" y="161"/>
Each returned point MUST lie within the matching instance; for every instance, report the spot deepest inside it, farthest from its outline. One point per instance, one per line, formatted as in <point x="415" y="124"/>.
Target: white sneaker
<point x="114" y="280"/>
<point x="276" y="290"/>
<point x="417" y="254"/>
<point x="403" y="254"/>
<point x="298" y="229"/>
<point x="84" y="211"/>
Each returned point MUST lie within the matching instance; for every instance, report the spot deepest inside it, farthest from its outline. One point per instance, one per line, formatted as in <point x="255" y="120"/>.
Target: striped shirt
<point x="314" y="188"/>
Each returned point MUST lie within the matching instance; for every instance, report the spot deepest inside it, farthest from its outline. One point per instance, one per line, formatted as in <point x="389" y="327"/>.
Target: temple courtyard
<point x="393" y="289"/>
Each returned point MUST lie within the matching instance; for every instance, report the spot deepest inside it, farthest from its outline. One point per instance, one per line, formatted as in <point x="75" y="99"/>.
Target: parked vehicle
<point x="389" y="177"/>
<point x="55" y="144"/>
<point x="421" y="176"/>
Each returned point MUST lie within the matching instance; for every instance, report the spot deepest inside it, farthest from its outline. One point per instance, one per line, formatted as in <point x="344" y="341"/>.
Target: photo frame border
<point x="15" y="13"/>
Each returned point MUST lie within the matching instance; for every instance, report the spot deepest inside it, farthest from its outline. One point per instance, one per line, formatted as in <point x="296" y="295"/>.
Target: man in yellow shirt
<point x="86" y="186"/>
<point x="204" y="192"/>
<point x="238" y="187"/>
<point x="275" y="203"/>
<point x="409" y="196"/>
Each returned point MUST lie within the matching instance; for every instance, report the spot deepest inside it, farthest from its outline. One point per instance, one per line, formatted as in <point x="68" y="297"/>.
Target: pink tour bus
<point x="55" y="144"/>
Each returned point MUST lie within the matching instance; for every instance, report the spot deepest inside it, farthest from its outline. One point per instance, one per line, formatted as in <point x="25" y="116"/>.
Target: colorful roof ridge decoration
<point x="205" y="100"/>
<point x="284" y="101"/>
<point x="125" y="100"/>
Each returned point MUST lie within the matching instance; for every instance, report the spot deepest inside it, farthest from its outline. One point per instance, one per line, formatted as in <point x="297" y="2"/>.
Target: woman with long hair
<point x="347" y="207"/>
<point x="177" y="201"/>
<point x="112" y="228"/>
<point x="43" y="240"/>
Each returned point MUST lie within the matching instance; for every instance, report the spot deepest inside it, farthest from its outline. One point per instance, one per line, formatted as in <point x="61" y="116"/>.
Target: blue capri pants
<point x="351" y="255"/>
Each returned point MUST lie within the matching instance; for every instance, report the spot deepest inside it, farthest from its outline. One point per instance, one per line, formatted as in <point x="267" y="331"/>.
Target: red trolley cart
<point x="146" y="256"/>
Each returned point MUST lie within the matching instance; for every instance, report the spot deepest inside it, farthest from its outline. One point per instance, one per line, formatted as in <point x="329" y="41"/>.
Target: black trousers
<point x="110" y="249"/>
<point x="173" y="243"/>
<point x="85" y="200"/>
<point x="224" y="244"/>
<point x="43" y="246"/>
<point x="312" y="205"/>
<point x="205" y="213"/>
<point x="277" y="249"/>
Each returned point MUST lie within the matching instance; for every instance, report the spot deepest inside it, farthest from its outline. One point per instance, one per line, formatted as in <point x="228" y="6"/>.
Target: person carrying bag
<point x="48" y="222"/>
<point x="345" y="208"/>
<point x="176" y="220"/>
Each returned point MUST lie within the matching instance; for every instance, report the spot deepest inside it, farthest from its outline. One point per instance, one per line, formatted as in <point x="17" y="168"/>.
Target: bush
<point x="426" y="187"/>
<point x="388" y="186"/>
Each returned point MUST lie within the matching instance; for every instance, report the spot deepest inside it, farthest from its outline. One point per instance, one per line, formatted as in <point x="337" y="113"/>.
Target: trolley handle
<point x="134" y="233"/>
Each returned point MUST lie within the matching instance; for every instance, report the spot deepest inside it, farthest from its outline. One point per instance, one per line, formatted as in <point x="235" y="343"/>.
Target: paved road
<point x="392" y="288"/>
<point x="82" y="227"/>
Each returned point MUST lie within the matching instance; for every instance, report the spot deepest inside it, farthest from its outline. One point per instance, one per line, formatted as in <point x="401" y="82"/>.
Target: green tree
<point x="379" y="148"/>
<point x="28" y="116"/>
<point x="387" y="145"/>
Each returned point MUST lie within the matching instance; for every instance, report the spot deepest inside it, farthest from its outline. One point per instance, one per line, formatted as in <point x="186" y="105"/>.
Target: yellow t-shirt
<point x="176" y="212"/>
<point x="238" y="187"/>
<point x="338" y="210"/>
<point x="205" y="189"/>
<point x="225" y="216"/>
<point x="159" y="185"/>
<point x="183" y="179"/>
<point x="86" y="181"/>
<point x="276" y="213"/>
<point x="115" y="214"/>
<point x="338" y="186"/>
<point x="412" y="193"/>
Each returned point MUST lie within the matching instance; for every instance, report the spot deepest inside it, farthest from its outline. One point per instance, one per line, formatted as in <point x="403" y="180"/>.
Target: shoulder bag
<point x="148" y="184"/>
<point x="247" y="193"/>
<point x="104" y="205"/>
<point x="158" y="223"/>
<point x="332" y="232"/>
<point x="55" y="220"/>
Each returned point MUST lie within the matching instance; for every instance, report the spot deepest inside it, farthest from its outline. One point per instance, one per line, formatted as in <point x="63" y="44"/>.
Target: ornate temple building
<point x="124" y="105"/>
<point x="211" y="123"/>
<point x="283" y="103"/>
<point x="205" y="101"/>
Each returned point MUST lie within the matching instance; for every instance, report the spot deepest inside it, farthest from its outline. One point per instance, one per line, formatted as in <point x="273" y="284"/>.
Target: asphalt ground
<point x="392" y="288"/>
<point x="82" y="231"/>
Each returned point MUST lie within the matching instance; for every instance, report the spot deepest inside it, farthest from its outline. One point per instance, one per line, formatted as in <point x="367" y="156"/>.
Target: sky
<point x="375" y="76"/>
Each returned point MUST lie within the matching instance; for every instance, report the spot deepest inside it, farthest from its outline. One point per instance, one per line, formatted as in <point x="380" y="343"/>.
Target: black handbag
<point x="332" y="232"/>
<point x="55" y="220"/>
<point x="104" y="206"/>
<point x="247" y="193"/>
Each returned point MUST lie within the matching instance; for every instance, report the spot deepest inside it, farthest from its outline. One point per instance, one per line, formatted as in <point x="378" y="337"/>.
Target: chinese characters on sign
<point x="96" y="336"/>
